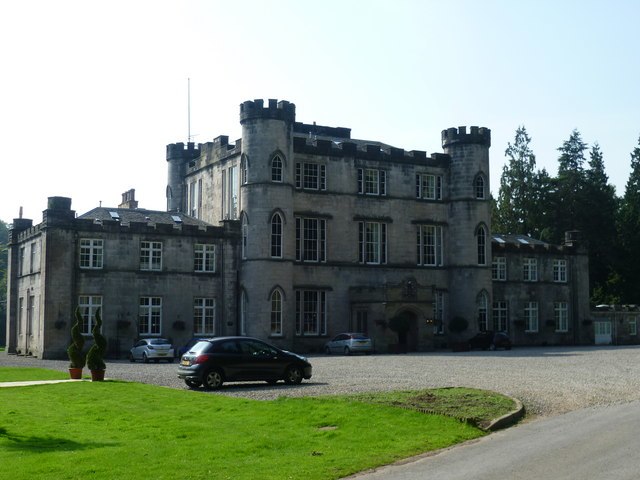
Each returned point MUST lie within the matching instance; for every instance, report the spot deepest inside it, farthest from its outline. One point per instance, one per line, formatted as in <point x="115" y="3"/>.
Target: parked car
<point x="213" y="361"/>
<point x="349" y="343"/>
<point x="490" y="341"/>
<point x="187" y="346"/>
<point x="155" y="349"/>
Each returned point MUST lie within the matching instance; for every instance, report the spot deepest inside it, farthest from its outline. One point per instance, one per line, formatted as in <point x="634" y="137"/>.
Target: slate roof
<point x="128" y="215"/>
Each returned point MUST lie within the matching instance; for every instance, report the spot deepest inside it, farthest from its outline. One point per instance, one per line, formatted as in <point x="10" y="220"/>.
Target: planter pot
<point x="75" y="373"/>
<point x="97" y="375"/>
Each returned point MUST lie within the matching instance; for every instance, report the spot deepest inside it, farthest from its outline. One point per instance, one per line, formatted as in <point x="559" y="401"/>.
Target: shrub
<point x="95" y="355"/>
<point x="76" y="357"/>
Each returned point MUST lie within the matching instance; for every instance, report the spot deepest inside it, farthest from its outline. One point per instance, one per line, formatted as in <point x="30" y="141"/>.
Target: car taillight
<point x="200" y="359"/>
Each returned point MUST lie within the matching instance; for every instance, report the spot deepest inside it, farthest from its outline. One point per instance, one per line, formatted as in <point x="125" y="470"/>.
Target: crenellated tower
<point x="469" y="224"/>
<point x="178" y="158"/>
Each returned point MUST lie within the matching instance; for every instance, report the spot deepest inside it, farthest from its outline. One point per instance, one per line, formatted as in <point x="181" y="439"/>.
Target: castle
<point x="294" y="233"/>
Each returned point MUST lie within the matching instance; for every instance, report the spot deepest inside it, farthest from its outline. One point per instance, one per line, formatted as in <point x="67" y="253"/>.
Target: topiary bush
<point x="95" y="355"/>
<point x="76" y="356"/>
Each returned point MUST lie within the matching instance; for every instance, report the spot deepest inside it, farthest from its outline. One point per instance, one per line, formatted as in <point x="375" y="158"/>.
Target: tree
<point x="628" y="227"/>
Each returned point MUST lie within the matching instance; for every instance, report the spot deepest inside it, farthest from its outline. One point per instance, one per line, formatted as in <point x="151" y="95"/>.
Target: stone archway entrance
<point x="405" y="325"/>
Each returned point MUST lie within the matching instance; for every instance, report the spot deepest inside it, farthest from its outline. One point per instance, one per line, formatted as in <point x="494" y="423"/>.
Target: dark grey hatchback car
<point x="211" y="362"/>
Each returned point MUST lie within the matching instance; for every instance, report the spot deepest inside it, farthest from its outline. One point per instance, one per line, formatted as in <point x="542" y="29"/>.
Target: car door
<point x="261" y="361"/>
<point x="138" y="348"/>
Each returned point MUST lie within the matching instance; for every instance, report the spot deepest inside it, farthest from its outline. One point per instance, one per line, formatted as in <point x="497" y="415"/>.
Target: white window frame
<point x="204" y="316"/>
<point x="429" y="250"/>
<point x="91" y="253"/>
<point x="150" y="255"/>
<point x="561" y="316"/>
<point x="276" y="313"/>
<point x="530" y="269"/>
<point x="88" y="305"/>
<point x="482" y="310"/>
<point x="499" y="269"/>
<point x="438" y="313"/>
<point x="204" y="257"/>
<point x="311" y="248"/>
<point x="311" y="313"/>
<point x="531" y="314"/>
<point x="372" y="181"/>
<point x="311" y="176"/>
<point x="633" y="326"/>
<point x="276" y="235"/>
<point x="428" y="186"/>
<point x="150" y="316"/>
<point x="276" y="169"/>
<point x="560" y="271"/>
<point x="481" y="243"/>
<point x="501" y="316"/>
<point x="479" y="188"/>
<point x="372" y="243"/>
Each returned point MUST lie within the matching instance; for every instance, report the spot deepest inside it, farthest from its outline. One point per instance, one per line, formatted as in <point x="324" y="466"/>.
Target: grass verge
<point x="112" y="429"/>
<point x="24" y="374"/>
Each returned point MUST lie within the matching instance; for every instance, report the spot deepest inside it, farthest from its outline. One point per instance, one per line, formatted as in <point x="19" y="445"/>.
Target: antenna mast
<point x="189" y="110"/>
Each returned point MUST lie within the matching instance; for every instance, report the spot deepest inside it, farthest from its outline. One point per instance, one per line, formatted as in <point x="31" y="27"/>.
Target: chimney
<point x="129" y="199"/>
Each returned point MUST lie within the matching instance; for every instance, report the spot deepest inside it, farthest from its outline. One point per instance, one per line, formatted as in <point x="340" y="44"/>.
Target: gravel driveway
<point x="548" y="381"/>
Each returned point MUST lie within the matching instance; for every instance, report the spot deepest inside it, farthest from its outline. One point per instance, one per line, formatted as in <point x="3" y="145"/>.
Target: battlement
<point x="177" y="151"/>
<point x="459" y="136"/>
<point x="276" y="110"/>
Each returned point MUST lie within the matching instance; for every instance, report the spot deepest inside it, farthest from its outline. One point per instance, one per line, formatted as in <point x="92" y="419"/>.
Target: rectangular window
<point x="499" y="269"/>
<point x="21" y="262"/>
<point x="88" y="304"/>
<point x="150" y="315"/>
<point x="428" y="186"/>
<point x="311" y="176"/>
<point x="91" y="253"/>
<point x="372" y="181"/>
<point x="531" y="317"/>
<point x="276" y="313"/>
<point x="560" y="271"/>
<point x="372" y="242"/>
<point x="311" y="312"/>
<point x="150" y="255"/>
<point x="31" y="314"/>
<point x="633" y="327"/>
<point x="438" y="313"/>
<point x="33" y="249"/>
<point x="530" y="270"/>
<point x="429" y="245"/>
<point x="193" y="199"/>
<point x="311" y="238"/>
<point x="500" y="316"/>
<point x="561" y="315"/>
<point x="362" y="322"/>
<point x="204" y="316"/>
<point x="204" y="257"/>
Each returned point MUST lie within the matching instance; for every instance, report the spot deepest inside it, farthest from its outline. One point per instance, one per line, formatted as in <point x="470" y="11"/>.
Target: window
<point x="372" y="242"/>
<point x="500" y="316"/>
<point x="230" y="193"/>
<point x="428" y="187"/>
<point x="311" y="237"/>
<point x="243" y="170"/>
<point x="531" y="317"/>
<point x="561" y="315"/>
<point x="31" y="314"/>
<point x="372" y="181"/>
<point x="560" y="271"/>
<point x="530" y="270"/>
<point x="499" y="268"/>
<point x="482" y="310"/>
<point x="243" y="313"/>
<point x="276" y="169"/>
<point x="438" y="313"/>
<point x="429" y="245"/>
<point x="276" y="236"/>
<point x="633" y="326"/>
<point x="245" y="234"/>
<point x="204" y="257"/>
<point x="478" y="186"/>
<point x="362" y="322"/>
<point x="150" y="255"/>
<point x="276" y="313"/>
<point x="33" y="250"/>
<point x="204" y="316"/>
<point x="20" y="315"/>
<point x="150" y="315"/>
<point x="21" y="262"/>
<point x="311" y="312"/>
<point x="311" y="176"/>
<point x="481" y="242"/>
<point x="88" y="305"/>
<point x="91" y="253"/>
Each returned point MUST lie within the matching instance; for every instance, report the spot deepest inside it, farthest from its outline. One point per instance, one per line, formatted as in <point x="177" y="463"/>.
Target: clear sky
<point x="91" y="92"/>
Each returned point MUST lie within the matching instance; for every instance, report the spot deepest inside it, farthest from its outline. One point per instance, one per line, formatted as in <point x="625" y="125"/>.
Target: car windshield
<point x="159" y="341"/>
<point x="200" y="346"/>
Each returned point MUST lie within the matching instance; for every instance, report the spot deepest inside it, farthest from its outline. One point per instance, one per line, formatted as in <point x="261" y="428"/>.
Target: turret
<point x="178" y="157"/>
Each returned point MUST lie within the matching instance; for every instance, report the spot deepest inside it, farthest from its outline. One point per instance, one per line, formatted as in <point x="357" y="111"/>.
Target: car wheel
<point x="131" y="359"/>
<point x="293" y="375"/>
<point x="192" y="383"/>
<point x="347" y="351"/>
<point x="327" y="350"/>
<point x="492" y="347"/>
<point x="145" y="359"/>
<point x="213" y="379"/>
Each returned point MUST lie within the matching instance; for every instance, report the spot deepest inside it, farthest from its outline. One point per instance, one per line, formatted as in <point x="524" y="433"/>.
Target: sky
<point x="91" y="92"/>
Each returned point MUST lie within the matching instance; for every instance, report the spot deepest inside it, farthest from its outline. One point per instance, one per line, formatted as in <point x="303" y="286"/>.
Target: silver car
<point x="155" y="349"/>
<point x="349" y="343"/>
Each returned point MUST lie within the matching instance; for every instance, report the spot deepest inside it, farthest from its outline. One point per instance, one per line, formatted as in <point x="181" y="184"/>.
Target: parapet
<point x="178" y="151"/>
<point x="276" y="110"/>
<point x="459" y="136"/>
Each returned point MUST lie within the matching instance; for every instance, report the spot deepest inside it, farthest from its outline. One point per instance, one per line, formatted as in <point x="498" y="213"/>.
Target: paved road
<point x="594" y="443"/>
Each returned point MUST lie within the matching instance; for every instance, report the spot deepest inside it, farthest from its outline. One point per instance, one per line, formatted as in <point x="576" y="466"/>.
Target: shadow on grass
<point x="45" y="444"/>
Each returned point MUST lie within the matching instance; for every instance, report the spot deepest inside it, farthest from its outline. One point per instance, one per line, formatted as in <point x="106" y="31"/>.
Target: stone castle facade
<point x="293" y="233"/>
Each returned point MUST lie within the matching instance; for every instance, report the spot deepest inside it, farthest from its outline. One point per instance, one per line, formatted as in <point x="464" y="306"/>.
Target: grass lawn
<point x="23" y="374"/>
<point x="113" y="430"/>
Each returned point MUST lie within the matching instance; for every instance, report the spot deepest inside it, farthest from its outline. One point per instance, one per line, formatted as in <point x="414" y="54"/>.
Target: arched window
<point x="482" y="309"/>
<point x="478" y="186"/>
<point x="245" y="234"/>
<point x="276" y="236"/>
<point x="481" y="240"/>
<point x="276" y="312"/>
<point x="276" y="169"/>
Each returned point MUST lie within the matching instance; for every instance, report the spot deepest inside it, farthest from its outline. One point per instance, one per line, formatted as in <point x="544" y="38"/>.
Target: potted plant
<point x="95" y="355"/>
<point x="76" y="356"/>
